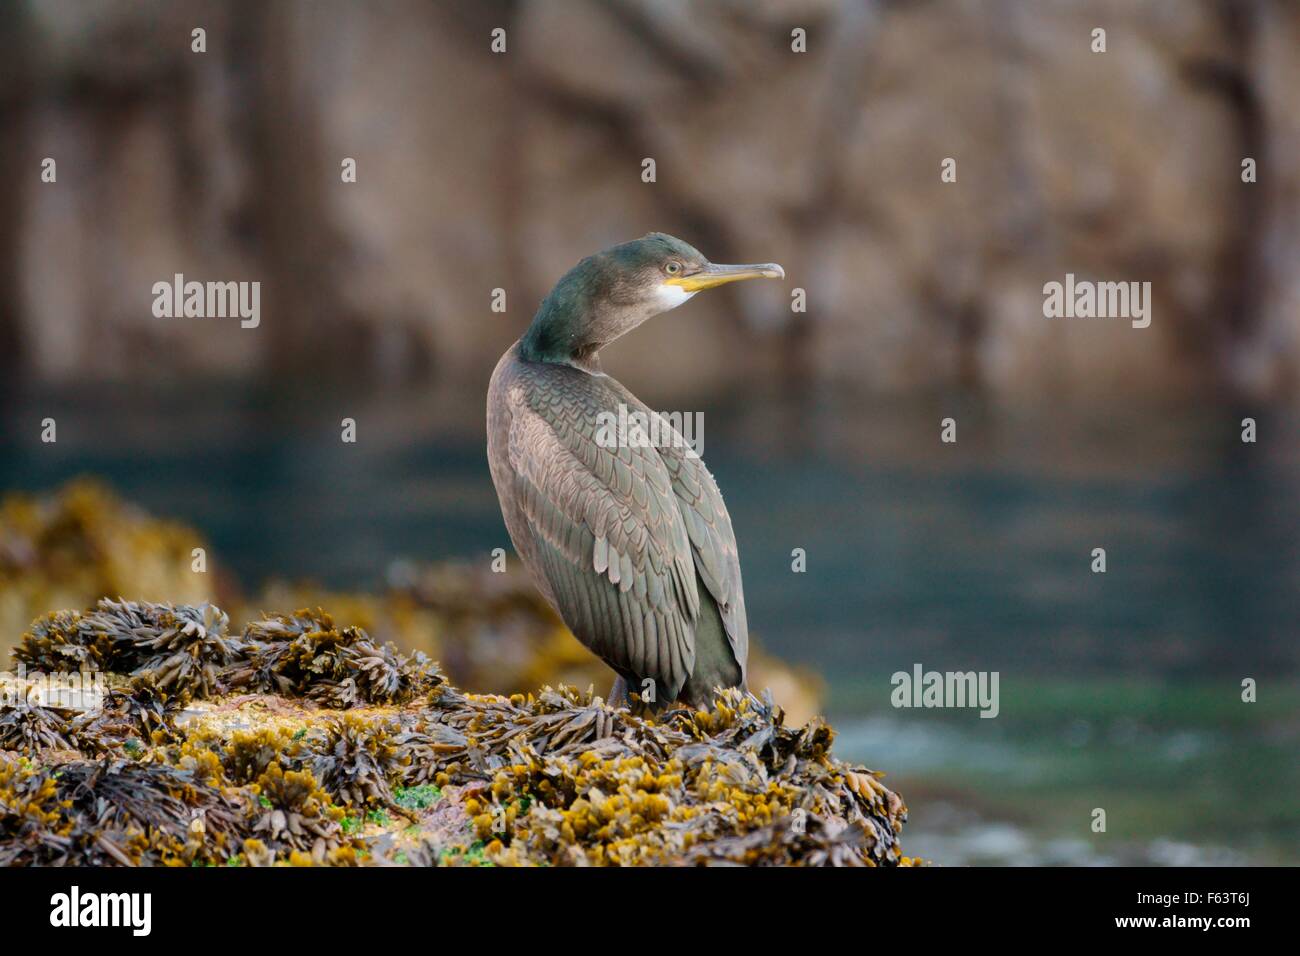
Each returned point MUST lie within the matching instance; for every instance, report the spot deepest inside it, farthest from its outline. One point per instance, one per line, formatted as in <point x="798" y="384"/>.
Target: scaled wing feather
<point x="610" y="538"/>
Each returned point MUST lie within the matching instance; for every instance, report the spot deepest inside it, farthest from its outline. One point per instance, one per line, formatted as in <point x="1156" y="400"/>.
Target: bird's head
<point x="659" y="272"/>
<point x="612" y="292"/>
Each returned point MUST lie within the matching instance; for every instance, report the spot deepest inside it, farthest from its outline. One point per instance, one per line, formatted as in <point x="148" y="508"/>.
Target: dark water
<point x="1118" y="690"/>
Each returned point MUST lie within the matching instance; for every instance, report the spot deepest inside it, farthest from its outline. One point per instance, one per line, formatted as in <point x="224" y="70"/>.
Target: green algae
<point x="417" y="798"/>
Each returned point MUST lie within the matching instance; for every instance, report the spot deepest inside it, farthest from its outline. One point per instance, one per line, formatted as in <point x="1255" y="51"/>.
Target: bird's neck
<point x="561" y="334"/>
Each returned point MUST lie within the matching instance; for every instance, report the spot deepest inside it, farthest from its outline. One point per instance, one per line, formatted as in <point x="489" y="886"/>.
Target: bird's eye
<point x="673" y="268"/>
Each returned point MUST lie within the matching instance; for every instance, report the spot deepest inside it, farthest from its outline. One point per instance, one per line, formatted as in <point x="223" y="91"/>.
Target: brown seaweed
<point x="96" y="813"/>
<point x="31" y="729"/>
<point x="292" y="813"/>
<point x="305" y="655"/>
<point x="317" y="732"/>
<point x="180" y="648"/>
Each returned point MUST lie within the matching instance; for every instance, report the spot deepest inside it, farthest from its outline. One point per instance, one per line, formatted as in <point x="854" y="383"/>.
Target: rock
<point x="301" y="773"/>
<point x="478" y="171"/>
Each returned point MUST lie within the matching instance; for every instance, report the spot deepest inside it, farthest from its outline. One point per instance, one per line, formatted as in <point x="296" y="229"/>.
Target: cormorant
<point x="629" y="542"/>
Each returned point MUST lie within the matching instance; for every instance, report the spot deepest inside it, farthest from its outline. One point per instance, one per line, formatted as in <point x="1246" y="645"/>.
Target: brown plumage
<point x="631" y="544"/>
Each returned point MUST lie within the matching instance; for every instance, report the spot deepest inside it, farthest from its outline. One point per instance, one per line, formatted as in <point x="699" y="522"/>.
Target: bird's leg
<point x="618" y="693"/>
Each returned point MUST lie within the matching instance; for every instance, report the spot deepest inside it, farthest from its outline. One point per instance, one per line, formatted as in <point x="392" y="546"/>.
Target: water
<point x="1119" y="691"/>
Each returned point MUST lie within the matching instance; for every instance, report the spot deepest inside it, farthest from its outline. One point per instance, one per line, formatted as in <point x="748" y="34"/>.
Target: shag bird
<point x="629" y="541"/>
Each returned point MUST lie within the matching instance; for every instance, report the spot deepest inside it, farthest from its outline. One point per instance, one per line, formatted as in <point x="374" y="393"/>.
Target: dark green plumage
<point x="632" y="545"/>
<point x="614" y="279"/>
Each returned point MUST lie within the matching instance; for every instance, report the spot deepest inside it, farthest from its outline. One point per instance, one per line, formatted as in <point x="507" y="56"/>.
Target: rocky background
<point x="479" y="170"/>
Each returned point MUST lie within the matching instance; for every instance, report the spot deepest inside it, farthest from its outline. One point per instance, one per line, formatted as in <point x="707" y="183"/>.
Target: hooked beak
<point x="713" y="275"/>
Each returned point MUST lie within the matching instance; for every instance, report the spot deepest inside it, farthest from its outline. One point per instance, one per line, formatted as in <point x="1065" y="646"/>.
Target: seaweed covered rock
<point x="302" y="742"/>
<point x="304" y="654"/>
<point x="107" y="812"/>
<point x="185" y="652"/>
<point x="181" y="649"/>
<point x="80" y="543"/>
<point x="585" y="784"/>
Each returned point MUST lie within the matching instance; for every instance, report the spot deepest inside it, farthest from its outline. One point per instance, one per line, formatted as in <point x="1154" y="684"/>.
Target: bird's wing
<point x="712" y="541"/>
<point x="609" y="536"/>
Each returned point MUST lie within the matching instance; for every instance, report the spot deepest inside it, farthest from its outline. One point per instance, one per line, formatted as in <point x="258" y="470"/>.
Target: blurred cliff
<point x="478" y="171"/>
